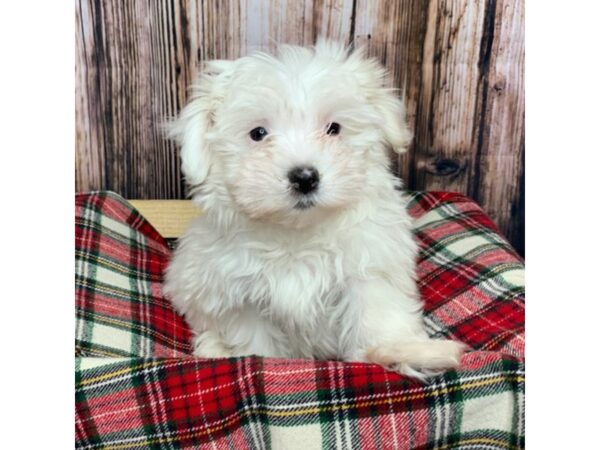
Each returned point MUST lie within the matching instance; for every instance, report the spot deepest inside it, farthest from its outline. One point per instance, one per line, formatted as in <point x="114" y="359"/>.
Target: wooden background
<point x="460" y="65"/>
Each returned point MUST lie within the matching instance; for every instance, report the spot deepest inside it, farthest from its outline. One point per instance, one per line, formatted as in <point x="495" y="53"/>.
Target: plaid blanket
<point x="137" y="385"/>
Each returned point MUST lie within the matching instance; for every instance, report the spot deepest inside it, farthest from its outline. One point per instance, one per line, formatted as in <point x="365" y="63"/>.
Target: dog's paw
<point x="209" y="345"/>
<point x="420" y="360"/>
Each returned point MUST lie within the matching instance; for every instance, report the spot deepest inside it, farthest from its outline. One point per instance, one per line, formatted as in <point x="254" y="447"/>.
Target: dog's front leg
<point x="242" y="332"/>
<point x="390" y="331"/>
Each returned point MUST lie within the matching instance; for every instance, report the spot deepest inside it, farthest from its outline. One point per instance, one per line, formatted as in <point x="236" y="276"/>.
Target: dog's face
<point x="292" y="138"/>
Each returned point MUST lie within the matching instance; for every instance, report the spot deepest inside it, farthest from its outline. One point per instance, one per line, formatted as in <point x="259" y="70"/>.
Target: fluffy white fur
<point x="255" y="274"/>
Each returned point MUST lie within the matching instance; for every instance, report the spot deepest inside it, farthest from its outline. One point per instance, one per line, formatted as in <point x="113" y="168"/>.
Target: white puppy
<point x="304" y="249"/>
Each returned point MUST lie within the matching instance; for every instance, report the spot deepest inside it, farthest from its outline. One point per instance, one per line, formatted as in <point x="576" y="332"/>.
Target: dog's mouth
<point x="304" y="203"/>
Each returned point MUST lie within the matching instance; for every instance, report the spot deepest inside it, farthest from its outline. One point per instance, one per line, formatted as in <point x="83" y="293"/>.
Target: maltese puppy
<point x="304" y="248"/>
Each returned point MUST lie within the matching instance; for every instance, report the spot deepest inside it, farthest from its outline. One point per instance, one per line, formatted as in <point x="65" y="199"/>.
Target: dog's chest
<point x="304" y="280"/>
<point x="300" y="293"/>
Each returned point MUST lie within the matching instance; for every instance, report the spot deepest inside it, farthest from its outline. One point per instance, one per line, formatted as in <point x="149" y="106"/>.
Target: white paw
<point x="419" y="360"/>
<point x="209" y="345"/>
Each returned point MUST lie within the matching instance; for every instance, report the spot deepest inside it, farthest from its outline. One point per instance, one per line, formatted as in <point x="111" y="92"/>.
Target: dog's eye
<point x="258" y="134"/>
<point x="333" y="128"/>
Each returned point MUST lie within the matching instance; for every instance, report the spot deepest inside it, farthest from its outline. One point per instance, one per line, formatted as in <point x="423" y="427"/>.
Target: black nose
<point x="304" y="179"/>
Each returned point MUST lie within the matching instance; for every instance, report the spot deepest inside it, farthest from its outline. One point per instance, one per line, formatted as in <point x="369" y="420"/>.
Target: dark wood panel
<point x="89" y="140"/>
<point x="126" y="92"/>
<point x="445" y="137"/>
<point x="499" y="169"/>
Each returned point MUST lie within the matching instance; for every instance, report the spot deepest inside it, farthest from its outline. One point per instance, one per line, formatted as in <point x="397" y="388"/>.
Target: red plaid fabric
<point x="470" y="278"/>
<point x="120" y="259"/>
<point x="137" y="386"/>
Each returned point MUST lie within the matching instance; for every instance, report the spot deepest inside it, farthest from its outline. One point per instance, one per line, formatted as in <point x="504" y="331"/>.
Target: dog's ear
<point x="191" y="127"/>
<point x="393" y="114"/>
<point x="373" y="77"/>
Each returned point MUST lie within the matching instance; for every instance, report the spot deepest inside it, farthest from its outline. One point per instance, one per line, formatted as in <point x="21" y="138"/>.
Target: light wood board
<point x="169" y="217"/>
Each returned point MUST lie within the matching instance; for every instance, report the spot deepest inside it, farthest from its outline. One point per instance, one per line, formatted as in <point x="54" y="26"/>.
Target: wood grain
<point x="89" y="139"/>
<point x="498" y="181"/>
<point x="393" y="32"/>
<point x="126" y="91"/>
<point x="447" y="106"/>
<point x="458" y="66"/>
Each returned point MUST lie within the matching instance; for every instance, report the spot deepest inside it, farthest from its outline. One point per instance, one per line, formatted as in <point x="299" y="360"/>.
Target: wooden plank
<point x="125" y="93"/>
<point x="393" y="32"/>
<point x="169" y="217"/>
<point x="264" y="24"/>
<point x="499" y="179"/>
<point x="330" y="18"/>
<point x="89" y="139"/>
<point x="445" y="137"/>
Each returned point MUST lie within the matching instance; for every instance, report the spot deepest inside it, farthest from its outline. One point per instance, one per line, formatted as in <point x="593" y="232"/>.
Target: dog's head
<point x="289" y="138"/>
